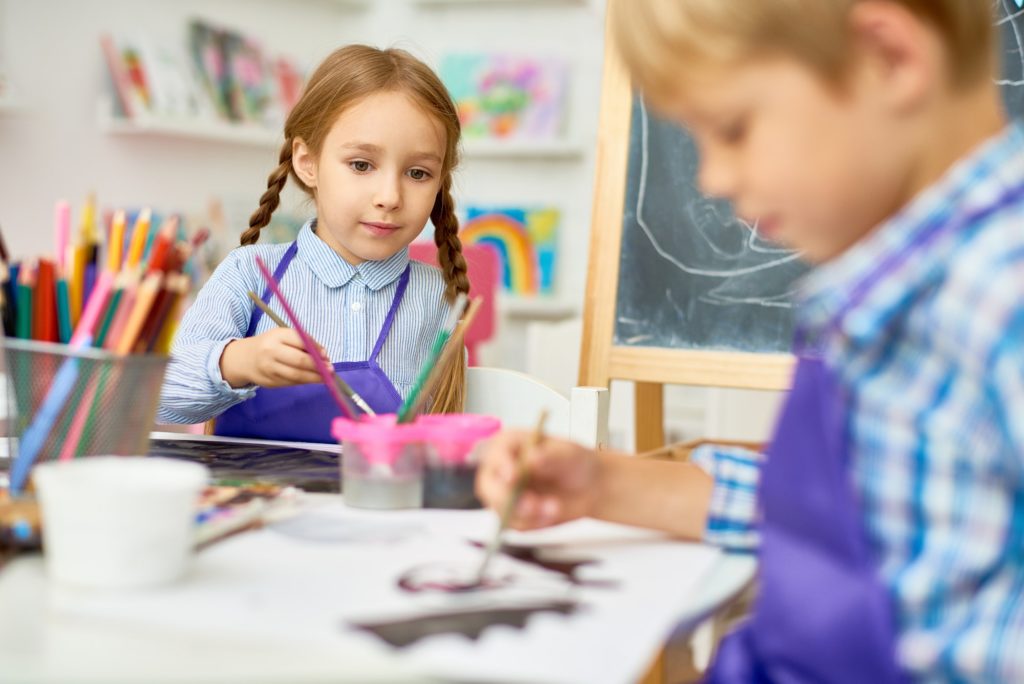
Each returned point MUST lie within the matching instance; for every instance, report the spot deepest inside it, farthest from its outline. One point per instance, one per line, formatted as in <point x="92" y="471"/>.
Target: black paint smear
<point x="413" y="582"/>
<point x="469" y="623"/>
<point x="566" y="568"/>
<point x="307" y="469"/>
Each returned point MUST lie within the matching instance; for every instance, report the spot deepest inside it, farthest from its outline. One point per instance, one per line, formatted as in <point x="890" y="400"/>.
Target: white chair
<point x="517" y="398"/>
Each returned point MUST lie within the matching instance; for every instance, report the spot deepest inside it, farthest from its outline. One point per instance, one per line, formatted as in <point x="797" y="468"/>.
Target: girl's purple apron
<point x="303" y="413"/>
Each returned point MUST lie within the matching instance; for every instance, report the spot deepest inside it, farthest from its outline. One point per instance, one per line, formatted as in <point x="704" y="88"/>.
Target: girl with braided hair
<point x="373" y="141"/>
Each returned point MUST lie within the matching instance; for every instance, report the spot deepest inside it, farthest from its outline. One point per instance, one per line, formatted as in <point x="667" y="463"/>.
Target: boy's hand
<point x="563" y="480"/>
<point x="276" y="358"/>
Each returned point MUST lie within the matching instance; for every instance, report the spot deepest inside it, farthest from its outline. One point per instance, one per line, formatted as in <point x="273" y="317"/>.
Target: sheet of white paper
<point x="309" y="580"/>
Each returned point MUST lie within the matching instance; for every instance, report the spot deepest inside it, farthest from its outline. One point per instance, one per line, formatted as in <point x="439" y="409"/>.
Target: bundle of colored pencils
<point x="143" y="268"/>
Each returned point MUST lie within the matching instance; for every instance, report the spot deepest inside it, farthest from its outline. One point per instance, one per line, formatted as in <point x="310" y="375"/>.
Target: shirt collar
<point x="861" y="290"/>
<point x="334" y="271"/>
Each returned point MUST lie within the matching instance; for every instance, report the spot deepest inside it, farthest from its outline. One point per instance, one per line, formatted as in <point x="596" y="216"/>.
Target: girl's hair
<point x="347" y="76"/>
<point x="661" y="40"/>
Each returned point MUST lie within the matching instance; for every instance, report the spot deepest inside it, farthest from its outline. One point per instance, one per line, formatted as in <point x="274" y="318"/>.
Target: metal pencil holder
<point x="79" y="402"/>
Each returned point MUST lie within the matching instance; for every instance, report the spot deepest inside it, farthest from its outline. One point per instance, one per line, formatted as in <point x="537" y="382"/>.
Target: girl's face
<point x="376" y="177"/>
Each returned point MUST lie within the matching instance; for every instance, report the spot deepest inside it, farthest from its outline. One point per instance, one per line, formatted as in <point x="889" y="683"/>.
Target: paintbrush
<point x="443" y="335"/>
<point x="345" y="388"/>
<point x="326" y="374"/>
<point x="454" y="346"/>
<point x="513" y="498"/>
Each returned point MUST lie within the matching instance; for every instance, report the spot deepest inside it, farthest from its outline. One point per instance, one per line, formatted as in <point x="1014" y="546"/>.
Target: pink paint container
<point x="451" y="446"/>
<point x="381" y="462"/>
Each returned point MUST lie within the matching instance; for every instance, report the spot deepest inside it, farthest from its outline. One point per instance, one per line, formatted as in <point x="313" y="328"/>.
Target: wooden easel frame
<point x="651" y="368"/>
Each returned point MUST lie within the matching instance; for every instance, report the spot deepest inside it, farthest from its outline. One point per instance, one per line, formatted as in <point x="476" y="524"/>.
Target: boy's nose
<point x="716" y="176"/>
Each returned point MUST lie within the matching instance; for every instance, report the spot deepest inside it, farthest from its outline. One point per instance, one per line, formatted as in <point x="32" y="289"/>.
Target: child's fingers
<point x="292" y="339"/>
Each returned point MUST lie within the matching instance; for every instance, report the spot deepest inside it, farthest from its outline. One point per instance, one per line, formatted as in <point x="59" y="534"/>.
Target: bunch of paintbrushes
<point x="122" y="294"/>
<point x="447" y="343"/>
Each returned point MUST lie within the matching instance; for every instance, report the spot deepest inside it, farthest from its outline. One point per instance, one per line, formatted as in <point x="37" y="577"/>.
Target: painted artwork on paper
<point x="526" y="240"/>
<point x="507" y="96"/>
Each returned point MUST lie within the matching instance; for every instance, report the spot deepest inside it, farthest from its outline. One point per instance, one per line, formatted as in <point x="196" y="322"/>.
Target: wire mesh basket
<point x="65" y="402"/>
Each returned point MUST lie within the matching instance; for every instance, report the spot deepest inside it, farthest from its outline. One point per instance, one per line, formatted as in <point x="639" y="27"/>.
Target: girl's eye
<point x="360" y="166"/>
<point x="419" y="174"/>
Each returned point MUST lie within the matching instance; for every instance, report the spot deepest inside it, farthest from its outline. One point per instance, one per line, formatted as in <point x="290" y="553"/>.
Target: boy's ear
<point x="304" y="162"/>
<point x="902" y="55"/>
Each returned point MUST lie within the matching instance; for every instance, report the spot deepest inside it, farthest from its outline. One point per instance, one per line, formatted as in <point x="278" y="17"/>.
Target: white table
<point x="40" y="642"/>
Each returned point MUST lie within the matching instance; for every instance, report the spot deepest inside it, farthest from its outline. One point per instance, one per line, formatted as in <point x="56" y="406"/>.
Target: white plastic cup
<point x="116" y="522"/>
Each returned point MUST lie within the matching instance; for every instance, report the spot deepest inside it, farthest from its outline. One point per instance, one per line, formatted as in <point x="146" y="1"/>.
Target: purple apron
<point x="822" y="613"/>
<point x="303" y="413"/>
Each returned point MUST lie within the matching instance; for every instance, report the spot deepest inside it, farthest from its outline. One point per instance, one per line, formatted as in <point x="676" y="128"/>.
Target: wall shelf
<point x="547" y="308"/>
<point x="209" y="131"/>
<point x="476" y="148"/>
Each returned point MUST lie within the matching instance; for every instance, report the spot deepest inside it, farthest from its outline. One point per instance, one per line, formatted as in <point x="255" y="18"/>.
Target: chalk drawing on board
<point x="694" y="275"/>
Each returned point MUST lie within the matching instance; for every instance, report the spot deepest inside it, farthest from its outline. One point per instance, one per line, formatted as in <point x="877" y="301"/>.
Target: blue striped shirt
<point x="923" y="324"/>
<point x="342" y="306"/>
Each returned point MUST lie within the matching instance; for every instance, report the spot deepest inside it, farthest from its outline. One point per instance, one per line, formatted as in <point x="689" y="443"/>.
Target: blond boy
<point x="888" y="513"/>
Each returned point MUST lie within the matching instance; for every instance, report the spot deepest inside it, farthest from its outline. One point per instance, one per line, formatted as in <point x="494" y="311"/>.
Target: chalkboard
<point x="691" y="274"/>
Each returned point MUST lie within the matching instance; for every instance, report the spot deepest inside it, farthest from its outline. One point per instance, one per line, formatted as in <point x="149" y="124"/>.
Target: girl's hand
<point x="276" y="358"/>
<point x="563" y="479"/>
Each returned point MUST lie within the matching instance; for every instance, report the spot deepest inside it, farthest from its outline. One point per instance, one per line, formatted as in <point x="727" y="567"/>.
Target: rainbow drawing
<point x="526" y="241"/>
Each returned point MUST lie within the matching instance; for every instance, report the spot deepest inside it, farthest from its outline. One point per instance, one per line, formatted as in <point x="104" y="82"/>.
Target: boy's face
<point x="817" y="168"/>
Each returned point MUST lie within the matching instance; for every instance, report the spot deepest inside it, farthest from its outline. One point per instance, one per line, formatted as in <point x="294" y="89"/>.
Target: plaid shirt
<point x="923" y="324"/>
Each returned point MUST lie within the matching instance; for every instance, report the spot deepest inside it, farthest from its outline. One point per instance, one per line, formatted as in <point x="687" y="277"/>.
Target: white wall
<point x="53" y="147"/>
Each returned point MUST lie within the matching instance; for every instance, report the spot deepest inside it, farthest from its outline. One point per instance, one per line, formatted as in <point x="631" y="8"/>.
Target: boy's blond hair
<point x="662" y="39"/>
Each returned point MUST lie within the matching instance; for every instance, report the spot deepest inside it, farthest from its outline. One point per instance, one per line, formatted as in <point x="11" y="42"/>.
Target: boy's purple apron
<point x="822" y="614"/>
<point x="303" y="413"/>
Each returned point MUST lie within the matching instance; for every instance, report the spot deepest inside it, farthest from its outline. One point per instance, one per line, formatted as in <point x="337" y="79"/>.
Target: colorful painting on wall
<point x="526" y="240"/>
<point x="507" y="96"/>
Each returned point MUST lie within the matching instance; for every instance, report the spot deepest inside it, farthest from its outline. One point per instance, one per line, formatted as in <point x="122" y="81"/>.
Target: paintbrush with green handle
<point x="405" y="412"/>
<point x="513" y="498"/>
<point x="345" y="388"/>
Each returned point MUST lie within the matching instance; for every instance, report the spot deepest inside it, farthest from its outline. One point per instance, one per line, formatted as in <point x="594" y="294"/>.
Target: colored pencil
<point x="90" y="315"/>
<point x="404" y="413"/>
<point x="44" y="303"/>
<point x="139" y="234"/>
<point x="321" y="366"/>
<point x="38" y="431"/>
<point x="62" y="232"/>
<point x="115" y="246"/>
<point x="77" y="256"/>
<point x="140" y="309"/>
<point x="161" y="247"/>
<point x="176" y="288"/>
<point x="87" y="228"/>
<point x="513" y="498"/>
<point x="24" y="305"/>
<point x="64" y="328"/>
<point x="345" y="388"/>
<point x="4" y="256"/>
<point x="110" y="311"/>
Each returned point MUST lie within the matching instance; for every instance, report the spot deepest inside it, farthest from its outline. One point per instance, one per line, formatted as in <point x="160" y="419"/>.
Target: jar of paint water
<point x="451" y="445"/>
<point x="381" y="462"/>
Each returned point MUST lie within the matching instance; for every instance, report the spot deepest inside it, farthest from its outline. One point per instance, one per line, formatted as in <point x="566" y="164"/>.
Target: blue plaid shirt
<point x="923" y="324"/>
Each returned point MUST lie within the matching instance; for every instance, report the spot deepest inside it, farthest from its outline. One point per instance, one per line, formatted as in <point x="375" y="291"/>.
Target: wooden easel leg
<point x="649" y="416"/>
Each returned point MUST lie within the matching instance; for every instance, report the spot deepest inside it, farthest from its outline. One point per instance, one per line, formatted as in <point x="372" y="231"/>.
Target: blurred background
<point x="178" y="105"/>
